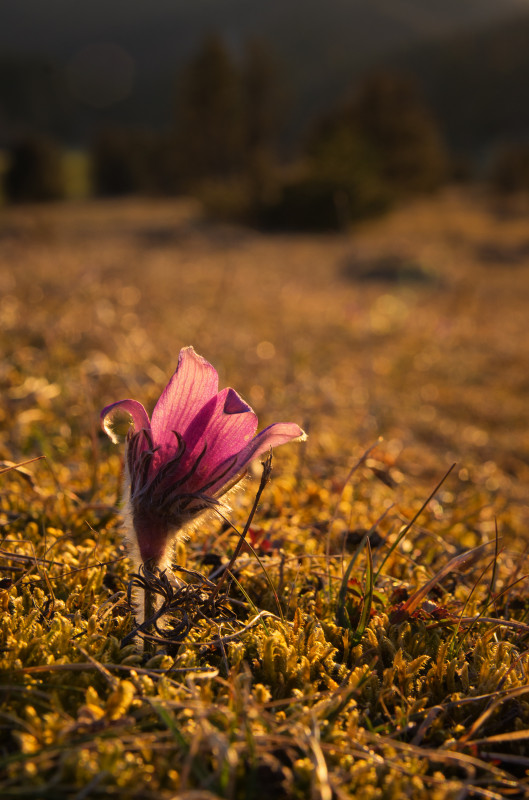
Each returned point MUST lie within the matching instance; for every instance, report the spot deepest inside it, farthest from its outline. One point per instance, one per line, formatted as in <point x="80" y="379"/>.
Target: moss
<point x="350" y="683"/>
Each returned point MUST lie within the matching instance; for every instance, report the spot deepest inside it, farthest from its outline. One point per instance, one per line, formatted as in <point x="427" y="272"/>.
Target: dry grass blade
<point x="412" y="522"/>
<point x="507" y="758"/>
<point x="495" y="777"/>
<point x="265" y="477"/>
<point x="322" y="788"/>
<point x="80" y="666"/>
<point x="432" y="715"/>
<point x="512" y="736"/>
<point x="492" y="585"/>
<point x="472" y="621"/>
<point x="457" y="564"/>
<point x="356" y="466"/>
<point x="111" y="679"/>
<point x="498" y="701"/>
<point x="7" y="466"/>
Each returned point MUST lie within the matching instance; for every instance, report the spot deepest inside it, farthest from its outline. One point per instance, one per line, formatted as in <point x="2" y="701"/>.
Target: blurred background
<point x="328" y="199"/>
<point x="305" y="114"/>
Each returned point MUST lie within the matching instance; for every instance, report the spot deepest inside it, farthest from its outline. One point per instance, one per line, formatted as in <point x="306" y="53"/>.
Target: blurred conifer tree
<point x="35" y="172"/>
<point x="263" y="101"/>
<point x="509" y="172"/>
<point x="390" y="114"/>
<point x="210" y="130"/>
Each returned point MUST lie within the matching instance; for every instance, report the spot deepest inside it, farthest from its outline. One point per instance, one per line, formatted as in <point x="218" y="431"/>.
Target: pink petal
<point x="140" y="418"/>
<point x="273" y="436"/>
<point x="226" y="424"/>
<point x="194" y="382"/>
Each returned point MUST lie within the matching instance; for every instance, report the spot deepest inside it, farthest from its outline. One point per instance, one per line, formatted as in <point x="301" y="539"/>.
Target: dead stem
<point x="265" y="476"/>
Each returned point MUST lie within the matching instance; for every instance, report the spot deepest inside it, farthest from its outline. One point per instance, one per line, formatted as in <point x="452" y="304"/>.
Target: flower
<point x="193" y="450"/>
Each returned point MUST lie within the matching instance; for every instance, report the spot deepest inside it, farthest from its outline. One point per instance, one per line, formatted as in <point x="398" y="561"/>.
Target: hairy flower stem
<point x="148" y="605"/>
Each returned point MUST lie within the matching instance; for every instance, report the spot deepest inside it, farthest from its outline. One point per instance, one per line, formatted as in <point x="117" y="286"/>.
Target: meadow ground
<point x="402" y="348"/>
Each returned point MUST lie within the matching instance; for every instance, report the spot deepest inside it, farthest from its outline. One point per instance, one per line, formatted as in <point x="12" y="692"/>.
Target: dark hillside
<point x="477" y="83"/>
<point x="321" y="47"/>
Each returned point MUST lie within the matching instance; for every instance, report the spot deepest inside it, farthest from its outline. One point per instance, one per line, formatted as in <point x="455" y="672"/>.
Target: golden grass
<point x="383" y="670"/>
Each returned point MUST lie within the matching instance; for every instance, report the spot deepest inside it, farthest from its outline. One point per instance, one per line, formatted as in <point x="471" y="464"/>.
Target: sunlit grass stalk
<point x="412" y="522"/>
<point x="368" y="597"/>
<point x="452" y="649"/>
<point x="17" y="467"/>
<point x="248" y="600"/>
<point x="492" y="584"/>
<point x="456" y="564"/>
<point x="350" y="474"/>
<point x="342" y="593"/>
<point x="265" y="477"/>
<point x="267" y="468"/>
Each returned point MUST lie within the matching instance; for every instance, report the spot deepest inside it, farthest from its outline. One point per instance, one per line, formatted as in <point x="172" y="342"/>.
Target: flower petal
<point x="194" y="382"/>
<point x="273" y="436"/>
<point x="226" y="425"/>
<point x="140" y="418"/>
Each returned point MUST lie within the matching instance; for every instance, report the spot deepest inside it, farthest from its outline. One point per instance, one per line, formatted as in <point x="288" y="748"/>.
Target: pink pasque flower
<point x="196" y="447"/>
